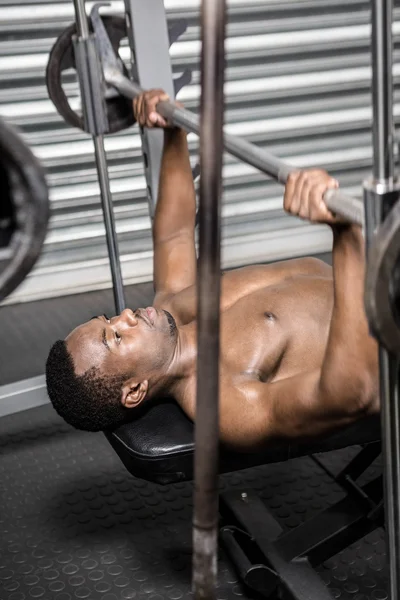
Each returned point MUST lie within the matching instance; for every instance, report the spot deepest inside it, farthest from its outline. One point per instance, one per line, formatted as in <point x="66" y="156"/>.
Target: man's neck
<point x="182" y="367"/>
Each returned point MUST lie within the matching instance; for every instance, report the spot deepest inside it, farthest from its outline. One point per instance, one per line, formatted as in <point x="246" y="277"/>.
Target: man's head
<point x="106" y="367"/>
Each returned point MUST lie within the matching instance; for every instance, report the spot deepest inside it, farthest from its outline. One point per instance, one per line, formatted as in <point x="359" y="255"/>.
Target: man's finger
<point x="304" y="196"/>
<point x="152" y="103"/>
<point x="302" y="188"/>
<point x="289" y="189"/>
<point x="318" y="209"/>
<point x="153" y="116"/>
<point x="137" y="107"/>
<point x="333" y="184"/>
<point x="156" y="119"/>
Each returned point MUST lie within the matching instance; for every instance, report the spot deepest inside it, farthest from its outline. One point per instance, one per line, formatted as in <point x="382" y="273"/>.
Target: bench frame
<point x="274" y="563"/>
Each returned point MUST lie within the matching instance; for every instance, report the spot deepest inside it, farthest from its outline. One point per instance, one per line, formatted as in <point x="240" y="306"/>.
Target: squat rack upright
<point x="380" y="193"/>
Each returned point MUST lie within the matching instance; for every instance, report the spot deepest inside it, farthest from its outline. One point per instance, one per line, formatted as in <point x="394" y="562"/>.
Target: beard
<point x="171" y="323"/>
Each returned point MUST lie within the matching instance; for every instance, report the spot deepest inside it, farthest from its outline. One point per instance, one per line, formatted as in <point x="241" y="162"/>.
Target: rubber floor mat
<point x="75" y="524"/>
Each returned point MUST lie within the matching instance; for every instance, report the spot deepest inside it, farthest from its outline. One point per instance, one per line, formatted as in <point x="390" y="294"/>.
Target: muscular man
<point x="296" y="357"/>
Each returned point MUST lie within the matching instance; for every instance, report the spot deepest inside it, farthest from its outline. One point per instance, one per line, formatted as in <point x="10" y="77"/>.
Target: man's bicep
<point x="174" y="263"/>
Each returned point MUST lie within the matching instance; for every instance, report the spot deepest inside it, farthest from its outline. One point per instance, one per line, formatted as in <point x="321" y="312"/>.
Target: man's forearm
<point x="176" y="206"/>
<point x="350" y="367"/>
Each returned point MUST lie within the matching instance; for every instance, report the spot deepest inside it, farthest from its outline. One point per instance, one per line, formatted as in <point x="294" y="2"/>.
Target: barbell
<point x="109" y="32"/>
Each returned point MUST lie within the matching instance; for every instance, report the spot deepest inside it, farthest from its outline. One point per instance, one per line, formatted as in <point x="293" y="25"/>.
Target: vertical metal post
<point x="109" y="222"/>
<point x="149" y="42"/>
<point x="382" y="90"/>
<point x="390" y="398"/>
<point x="205" y="517"/>
<point x="91" y="107"/>
<point x="379" y="195"/>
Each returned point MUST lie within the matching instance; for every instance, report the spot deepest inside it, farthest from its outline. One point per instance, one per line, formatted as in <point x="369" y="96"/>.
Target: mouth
<point x="147" y="315"/>
<point x="151" y="313"/>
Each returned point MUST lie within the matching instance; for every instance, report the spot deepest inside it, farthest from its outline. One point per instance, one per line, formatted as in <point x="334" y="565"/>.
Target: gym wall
<point x="298" y="83"/>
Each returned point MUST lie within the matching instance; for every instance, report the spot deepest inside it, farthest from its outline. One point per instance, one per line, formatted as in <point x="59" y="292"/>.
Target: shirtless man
<point x="296" y="356"/>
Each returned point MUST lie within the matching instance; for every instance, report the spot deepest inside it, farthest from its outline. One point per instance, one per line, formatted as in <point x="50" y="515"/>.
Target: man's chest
<point x="236" y="285"/>
<point x="253" y="328"/>
<point x="267" y="327"/>
<point x="252" y="336"/>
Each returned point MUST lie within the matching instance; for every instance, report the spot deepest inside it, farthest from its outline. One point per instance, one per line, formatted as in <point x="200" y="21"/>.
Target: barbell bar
<point x="344" y="206"/>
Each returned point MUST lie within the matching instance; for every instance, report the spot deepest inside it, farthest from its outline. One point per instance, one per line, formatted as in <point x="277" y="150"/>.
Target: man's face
<point x="141" y="341"/>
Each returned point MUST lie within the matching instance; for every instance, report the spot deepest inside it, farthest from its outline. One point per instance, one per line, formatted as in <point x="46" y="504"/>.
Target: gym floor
<point x="75" y="524"/>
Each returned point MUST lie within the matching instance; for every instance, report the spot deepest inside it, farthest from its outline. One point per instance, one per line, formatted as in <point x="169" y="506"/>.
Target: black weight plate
<point x="24" y="209"/>
<point x="382" y="280"/>
<point x="119" y="109"/>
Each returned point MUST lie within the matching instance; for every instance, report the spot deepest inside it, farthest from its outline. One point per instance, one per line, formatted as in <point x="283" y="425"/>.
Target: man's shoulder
<point x="181" y="305"/>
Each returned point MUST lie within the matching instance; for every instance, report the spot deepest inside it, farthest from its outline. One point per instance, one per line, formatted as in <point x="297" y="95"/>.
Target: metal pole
<point x="91" y="108"/>
<point x="389" y="385"/>
<point x="382" y="91"/>
<point x="109" y="223"/>
<point x="379" y="196"/>
<point x="205" y="516"/>
<point x="82" y="27"/>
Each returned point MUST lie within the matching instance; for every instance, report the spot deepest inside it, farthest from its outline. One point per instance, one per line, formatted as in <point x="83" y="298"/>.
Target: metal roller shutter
<point x="298" y="83"/>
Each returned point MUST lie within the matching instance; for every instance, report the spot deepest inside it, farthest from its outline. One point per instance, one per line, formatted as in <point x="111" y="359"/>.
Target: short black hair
<point x="90" y="401"/>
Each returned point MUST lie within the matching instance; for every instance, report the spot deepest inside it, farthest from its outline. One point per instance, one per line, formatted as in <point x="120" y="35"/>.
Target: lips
<point x="151" y="313"/>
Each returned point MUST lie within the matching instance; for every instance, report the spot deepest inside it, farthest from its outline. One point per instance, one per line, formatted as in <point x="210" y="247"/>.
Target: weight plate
<point x="24" y="211"/>
<point x="382" y="293"/>
<point x="119" y="109"/>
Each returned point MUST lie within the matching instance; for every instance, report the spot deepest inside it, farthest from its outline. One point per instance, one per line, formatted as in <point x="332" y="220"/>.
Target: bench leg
<point x="277" y="564"/>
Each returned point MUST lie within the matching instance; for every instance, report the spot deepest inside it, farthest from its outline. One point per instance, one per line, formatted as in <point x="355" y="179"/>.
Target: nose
<point x="127" y="317"/>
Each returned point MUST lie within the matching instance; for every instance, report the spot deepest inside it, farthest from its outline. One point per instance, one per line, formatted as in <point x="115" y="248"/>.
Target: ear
<point x="134" y="392"/>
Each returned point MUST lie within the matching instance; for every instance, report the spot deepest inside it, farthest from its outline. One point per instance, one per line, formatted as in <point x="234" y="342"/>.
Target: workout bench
<point x="159" y="447"/>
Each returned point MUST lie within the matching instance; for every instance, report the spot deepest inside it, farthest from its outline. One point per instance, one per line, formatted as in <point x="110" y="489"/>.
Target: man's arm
<point x="316" y="402"/>
<point x="174" y="220"/>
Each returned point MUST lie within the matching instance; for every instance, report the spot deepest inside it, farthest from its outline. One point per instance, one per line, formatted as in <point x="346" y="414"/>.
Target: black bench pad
<point x="159" y="445"/>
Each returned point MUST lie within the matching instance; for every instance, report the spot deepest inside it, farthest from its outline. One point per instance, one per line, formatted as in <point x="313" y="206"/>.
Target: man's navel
<point x="270" y="316"/>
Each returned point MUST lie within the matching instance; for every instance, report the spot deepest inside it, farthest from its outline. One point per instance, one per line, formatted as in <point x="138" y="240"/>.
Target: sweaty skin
<point x="296" y="357"/>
